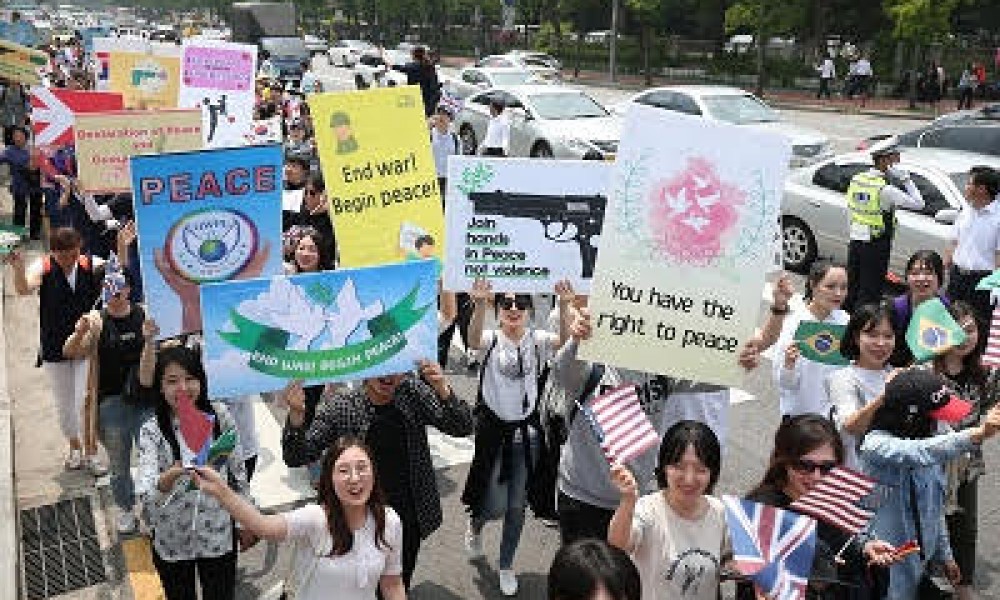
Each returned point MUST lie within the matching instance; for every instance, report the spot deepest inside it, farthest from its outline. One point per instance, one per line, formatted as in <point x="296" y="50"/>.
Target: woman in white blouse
<point x="350" y="542"/>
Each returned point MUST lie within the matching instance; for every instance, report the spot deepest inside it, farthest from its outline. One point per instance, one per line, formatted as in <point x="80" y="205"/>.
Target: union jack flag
<point x="771" y="546"/>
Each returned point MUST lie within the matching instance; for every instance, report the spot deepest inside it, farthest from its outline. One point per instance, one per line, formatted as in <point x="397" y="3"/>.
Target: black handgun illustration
<point x="581" y="217"/>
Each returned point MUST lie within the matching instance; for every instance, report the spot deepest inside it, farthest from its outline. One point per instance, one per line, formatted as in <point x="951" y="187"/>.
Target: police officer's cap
<point x="887" y="150"/>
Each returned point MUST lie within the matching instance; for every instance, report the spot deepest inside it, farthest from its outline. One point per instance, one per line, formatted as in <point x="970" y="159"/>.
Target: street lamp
<point x="613" y="67"/>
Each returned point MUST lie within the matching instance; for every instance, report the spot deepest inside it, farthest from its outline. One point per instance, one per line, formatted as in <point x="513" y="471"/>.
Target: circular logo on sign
<point x="211" y="244"/>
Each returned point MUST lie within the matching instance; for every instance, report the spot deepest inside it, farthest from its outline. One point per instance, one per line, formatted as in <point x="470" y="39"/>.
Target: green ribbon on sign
<point x="268" y="355"/>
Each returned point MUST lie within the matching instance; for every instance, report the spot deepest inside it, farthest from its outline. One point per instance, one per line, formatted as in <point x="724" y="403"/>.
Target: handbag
<point x="932" y="586"/>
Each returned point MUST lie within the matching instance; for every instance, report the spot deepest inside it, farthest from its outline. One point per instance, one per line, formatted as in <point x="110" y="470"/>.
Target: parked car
<point x="976" y="130"/>
<point x="315" y="44"/>
<point x="546" y="122"/>
<point x="374" y="69"/>
<point x="733" y="105"/>
<point x="536" y="62"/>
<point x="287" y="55"/>
<point x="476" y="79"/>
<point x="814" y="219"/>
<point x="346" y="52"/>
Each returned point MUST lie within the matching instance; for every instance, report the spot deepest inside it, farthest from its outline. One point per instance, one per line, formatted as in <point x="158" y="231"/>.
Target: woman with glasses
<point x="349" y="543"/>
<point x="807" y="447"/>
<point x="508" y="438"/>
<point x="854" y="390"/>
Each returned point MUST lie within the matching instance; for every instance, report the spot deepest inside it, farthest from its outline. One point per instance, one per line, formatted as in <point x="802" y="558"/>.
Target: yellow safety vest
<point x="863" y="202"/>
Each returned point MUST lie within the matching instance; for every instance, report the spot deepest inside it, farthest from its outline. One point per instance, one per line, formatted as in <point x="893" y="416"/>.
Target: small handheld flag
<point x="834" y="499"/>
<point x="820" y="342"/>
<point x="932" y="331"/>
<point x="114" y="281"/>
<point x="990" y="282"/>
<point x="991" y="358"/>
<point x="771" y="546"/>
<point x="195" y="426"/>
<point x="221" y="449"/>
<point x="10" y="237"/>
<point x="623" y="429"/>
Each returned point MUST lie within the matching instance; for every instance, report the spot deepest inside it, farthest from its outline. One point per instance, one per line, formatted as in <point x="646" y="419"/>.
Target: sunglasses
<point x="804" y="465"/>
<point x="520" y="302"/>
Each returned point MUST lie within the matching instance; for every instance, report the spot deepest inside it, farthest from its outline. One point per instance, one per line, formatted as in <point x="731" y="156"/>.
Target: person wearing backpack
<point x="444" y="143"/>
<point x="509" y="438"/>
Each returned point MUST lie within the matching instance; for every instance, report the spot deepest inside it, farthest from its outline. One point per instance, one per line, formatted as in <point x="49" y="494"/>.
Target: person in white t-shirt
<point x="497" y="139"/>
<point x="350" y="542"/>
<point x="801" y="381"/>
<point x="677" y="536"/>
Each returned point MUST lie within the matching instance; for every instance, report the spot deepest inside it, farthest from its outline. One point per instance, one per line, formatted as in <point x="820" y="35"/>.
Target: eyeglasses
<point x="804" y="465"/>
<point x="520" y="302"/>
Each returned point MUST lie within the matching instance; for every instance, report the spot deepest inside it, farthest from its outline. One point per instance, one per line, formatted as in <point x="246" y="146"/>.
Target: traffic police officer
<point x="872" y="199"/>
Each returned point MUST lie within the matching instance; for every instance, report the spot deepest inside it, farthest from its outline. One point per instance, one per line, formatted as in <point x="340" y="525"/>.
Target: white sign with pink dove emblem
<point x="688" y="238"/>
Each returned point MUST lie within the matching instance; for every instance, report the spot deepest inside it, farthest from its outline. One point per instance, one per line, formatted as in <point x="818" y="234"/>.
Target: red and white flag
<point x="991" y="358"/>
<point x="834" y="499"/>
<point x="53" y="111"/>
<point x="624" y="430"/>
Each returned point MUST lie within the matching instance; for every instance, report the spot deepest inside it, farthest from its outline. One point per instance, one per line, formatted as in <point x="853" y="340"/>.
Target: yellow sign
<point x="106" y="141"/>
<point x="146" y="80"/>
<point x="20" y="63"/>
<point x="374" y="147"/>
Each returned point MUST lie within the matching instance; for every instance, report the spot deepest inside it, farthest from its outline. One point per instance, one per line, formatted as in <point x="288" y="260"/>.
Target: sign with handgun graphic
<point x="218" y="79"/>
<point x="524" y="224"/>
<point x="148" y="79"/>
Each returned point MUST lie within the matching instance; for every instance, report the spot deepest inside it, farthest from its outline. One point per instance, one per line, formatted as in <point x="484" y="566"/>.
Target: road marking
<point x="142" y="575"/>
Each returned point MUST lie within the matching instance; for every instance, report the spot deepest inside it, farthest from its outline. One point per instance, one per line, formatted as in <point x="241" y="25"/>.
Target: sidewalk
<point x="8" y="521"/>
<point x="777" y="98"/>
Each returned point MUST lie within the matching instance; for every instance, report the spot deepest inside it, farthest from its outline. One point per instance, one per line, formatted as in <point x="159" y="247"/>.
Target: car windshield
<point x="289" y="47"/>
<point x="511" y="77"/>
<point x="739" y="109"/>
<point x="560" y="107"/>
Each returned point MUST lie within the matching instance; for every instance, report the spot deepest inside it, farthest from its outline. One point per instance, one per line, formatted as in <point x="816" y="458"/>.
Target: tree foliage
<point x="920" y="20"/>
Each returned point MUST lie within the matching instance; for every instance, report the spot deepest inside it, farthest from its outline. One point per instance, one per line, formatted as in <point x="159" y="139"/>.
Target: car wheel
<point x="360" y="82"/>
<point x="468" y="138"/>
<point x="541" y="150"/>
<point x="798" y="244"/>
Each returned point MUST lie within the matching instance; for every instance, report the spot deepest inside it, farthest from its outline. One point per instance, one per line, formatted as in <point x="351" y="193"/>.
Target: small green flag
<point x="991" y="282"/>
<point x="820" y="342"/>
<point x="221" y="448"/>
<point x="932" y="331"/>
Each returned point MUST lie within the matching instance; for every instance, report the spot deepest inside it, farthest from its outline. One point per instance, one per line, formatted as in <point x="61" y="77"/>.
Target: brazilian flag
<point x="932" y="331"/>
<point x="820" y="342"/>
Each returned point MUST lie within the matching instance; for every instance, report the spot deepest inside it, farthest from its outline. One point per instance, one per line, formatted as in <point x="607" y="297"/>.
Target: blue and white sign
<point x="203" y="217"/>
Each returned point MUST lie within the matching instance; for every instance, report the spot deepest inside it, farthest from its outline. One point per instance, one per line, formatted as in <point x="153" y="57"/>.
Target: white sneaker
<point x="75" y="459"/>
<point x="473" y="544"/>
<point x="126" y="522"/>
<point x="508" y="582"/>
<point x="96" y="466"/>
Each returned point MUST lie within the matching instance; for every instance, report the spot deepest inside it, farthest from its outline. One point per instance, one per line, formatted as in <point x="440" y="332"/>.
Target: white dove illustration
<point x="285" y="306"/>
<point x="679" y="202"/>
<point x="349" y="316"/>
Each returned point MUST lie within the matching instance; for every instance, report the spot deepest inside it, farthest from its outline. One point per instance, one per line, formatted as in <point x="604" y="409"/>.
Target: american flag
<point x="991" y="358"/>
<point x="834" y="499"/>
<point x="623" y="429"/>
<point x="771" y="546"/>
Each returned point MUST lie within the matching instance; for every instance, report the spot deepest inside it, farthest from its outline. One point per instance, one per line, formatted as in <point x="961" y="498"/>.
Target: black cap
<point x="923" y="392"/>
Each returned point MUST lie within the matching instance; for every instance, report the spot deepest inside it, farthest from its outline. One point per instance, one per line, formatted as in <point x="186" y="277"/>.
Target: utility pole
<point x="613" y="67"/>
<point x="761" y="45"/>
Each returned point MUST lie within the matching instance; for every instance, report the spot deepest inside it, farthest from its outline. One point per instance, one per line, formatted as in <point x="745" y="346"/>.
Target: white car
<point x="814" y="219"/>
<point x="315" y="44"/>
<point x="542" y="65"/>
<point x="733" y="105"/>
<point x="471" y="80"/>
<point x="374" y="69"/>
<point x="546" y="121"/>
<point x="346" y="52"/>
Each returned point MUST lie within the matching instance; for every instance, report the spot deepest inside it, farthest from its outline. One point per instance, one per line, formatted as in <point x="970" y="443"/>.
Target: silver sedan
<point x="546" y="122"/>
<point x="814" y="209"/>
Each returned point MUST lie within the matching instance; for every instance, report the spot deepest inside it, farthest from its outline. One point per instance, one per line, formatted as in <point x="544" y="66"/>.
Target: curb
<point x="8" y="518"/>
<point x="849" y="110"/>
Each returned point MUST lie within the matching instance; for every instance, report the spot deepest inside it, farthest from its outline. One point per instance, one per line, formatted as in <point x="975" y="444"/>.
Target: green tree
<point x="920" y="20"/>
<point x="647" y="13"/>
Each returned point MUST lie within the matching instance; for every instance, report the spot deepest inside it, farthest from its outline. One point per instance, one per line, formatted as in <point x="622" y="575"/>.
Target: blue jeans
<point x="508" y="499"/>
<point x="118" y="428"/>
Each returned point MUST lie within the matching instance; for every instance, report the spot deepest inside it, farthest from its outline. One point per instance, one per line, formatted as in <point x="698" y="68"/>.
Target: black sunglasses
<point x="804" y="465"/>
<point x="520" y="301"/>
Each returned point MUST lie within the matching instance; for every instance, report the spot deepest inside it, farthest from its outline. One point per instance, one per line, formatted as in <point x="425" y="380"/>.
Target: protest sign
<point x="53" y="112"/>
<point x="21" y="63"/>
<point x="149" y="79"/>
<point x="374" y="148"/>
<point x="102" y="49"/>
<point x="105" y="141"/>
<point x="688" y="237"/>
<point x="524" y="224"/>
<point x="338" y="325"/>
<point x="205" y="216"/>
<point x="218" y="79"/>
